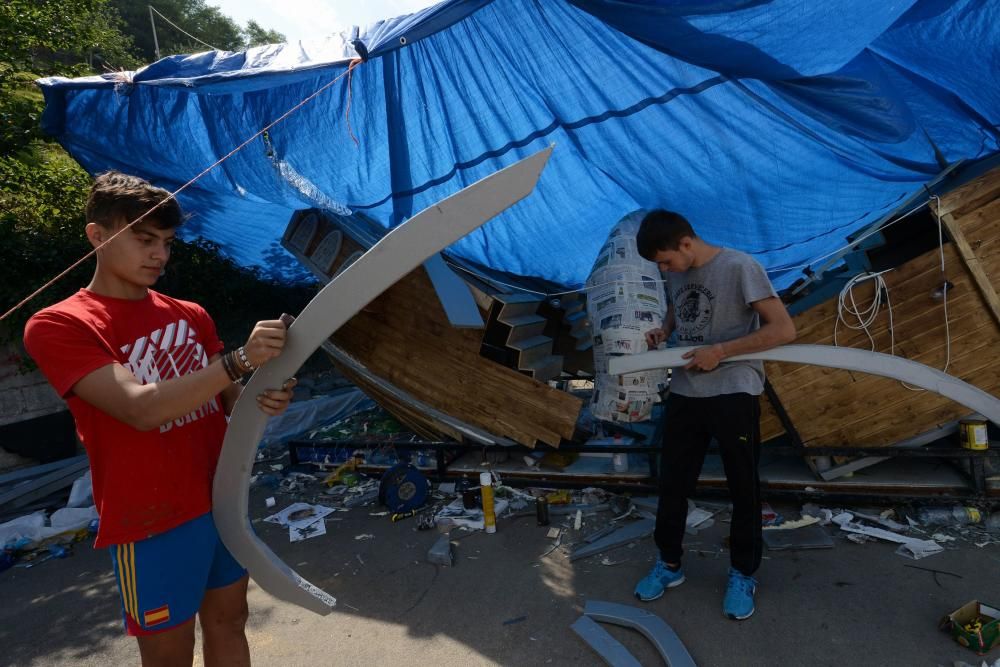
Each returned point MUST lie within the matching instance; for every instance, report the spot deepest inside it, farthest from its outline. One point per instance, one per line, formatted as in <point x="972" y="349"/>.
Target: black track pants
<point x="691" y="423"/>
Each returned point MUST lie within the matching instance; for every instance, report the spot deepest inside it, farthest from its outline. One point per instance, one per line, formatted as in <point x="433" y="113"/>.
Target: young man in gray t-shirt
<point x="721" y="304"/>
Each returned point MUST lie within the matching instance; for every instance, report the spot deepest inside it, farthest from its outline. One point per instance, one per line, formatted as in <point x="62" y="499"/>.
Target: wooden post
<point x="972" y="263"/>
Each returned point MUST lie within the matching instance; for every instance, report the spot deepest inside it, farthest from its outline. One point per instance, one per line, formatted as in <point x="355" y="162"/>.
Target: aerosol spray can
<point x="489" y="516"/>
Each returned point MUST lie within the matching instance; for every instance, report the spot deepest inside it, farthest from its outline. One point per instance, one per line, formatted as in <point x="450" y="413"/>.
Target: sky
<point x="315" y="19"/>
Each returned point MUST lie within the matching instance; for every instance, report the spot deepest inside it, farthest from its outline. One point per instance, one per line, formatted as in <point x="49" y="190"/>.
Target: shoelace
<point x="745" y="584"/>
<point x="662" y="569"/>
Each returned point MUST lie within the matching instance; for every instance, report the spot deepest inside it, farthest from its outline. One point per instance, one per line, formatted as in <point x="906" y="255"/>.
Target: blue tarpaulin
<point x="778" y="127"/>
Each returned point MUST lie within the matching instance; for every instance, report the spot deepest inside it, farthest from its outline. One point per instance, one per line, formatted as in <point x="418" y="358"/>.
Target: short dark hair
<point x="118" y="199"/>
<point x="662" y="230"/>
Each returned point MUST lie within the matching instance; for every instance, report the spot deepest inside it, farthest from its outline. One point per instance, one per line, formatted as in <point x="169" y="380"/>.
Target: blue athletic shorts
<point x="163" y="579"/>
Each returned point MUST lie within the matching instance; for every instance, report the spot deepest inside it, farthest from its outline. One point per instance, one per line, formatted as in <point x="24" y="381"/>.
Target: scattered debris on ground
<point x="29" y="533"/>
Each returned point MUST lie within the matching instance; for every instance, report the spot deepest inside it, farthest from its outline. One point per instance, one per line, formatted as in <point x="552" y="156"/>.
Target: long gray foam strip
<point x="399" y="252"/>
<point x="653" y="628"/>
<point x="606" y="646"/>
<point x="628" y="533"/>
<point x="846" y="358"/>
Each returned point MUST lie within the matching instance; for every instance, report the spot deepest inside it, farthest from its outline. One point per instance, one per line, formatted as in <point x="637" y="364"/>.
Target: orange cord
<point x="347" y="112"/>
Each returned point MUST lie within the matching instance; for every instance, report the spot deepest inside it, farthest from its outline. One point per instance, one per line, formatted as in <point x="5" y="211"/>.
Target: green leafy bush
<point x="43" y="190"/>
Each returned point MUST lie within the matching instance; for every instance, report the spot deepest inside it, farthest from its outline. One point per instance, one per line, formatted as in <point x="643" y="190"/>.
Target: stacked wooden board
<point x="836" y="408"/>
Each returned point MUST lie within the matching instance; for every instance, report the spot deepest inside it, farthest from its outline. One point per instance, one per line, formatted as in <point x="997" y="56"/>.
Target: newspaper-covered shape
<point x="625" y="299"/>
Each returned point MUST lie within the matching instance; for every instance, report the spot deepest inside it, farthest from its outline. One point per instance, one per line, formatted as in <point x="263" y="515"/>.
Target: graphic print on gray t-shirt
<point x="712" y="305"/>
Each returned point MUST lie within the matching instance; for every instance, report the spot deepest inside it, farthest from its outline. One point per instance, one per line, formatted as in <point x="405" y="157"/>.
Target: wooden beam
<point x="979" y="276"/>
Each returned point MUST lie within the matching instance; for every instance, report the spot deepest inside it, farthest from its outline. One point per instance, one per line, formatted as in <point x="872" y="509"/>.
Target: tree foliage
<point x="53" y="37"/>
<point x="257" y="35"/>
<point x="60" y="35"/>
<point x="196" y="17"/>
<point x="43" y="191"/>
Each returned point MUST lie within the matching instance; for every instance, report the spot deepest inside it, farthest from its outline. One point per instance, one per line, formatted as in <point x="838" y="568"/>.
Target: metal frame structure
<point x="403" y="249"/>
<point x="978" y="472"/>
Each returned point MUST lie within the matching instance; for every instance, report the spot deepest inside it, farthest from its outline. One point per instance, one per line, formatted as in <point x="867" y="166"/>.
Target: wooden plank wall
<point x="835" y="407"/>
<point x="404" y="337"/>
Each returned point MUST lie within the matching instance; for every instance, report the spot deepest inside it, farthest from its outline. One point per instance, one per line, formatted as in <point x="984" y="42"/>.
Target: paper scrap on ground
<point x="299" y="533"/>
<point x="302" y="520"/>
<point x="455" y="514"/>
<point x="909" y="546"/>
<point x="299" y="514"/>
<point x="882" y="521"/>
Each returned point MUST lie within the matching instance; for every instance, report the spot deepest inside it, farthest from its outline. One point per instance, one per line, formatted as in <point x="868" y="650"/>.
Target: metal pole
<point x="156" y="43"/>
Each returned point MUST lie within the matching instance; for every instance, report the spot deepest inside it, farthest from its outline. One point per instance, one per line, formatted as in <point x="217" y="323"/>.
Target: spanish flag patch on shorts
<point x="156" y="616"/>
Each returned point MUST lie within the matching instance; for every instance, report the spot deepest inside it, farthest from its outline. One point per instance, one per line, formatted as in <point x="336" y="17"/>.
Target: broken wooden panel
<point x="839" y="408"/>
<point x="417" y="422"/>
<point x="404" y="338"/>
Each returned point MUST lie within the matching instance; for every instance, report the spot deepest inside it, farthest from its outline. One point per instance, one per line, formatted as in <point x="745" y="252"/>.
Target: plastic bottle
<point x="489" y="516"/>
<point x="941" y="516"/>
<point x="619" y="460"/>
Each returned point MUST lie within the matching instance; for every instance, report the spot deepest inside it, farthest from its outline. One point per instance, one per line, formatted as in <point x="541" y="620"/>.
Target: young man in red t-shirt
<point x="149" y="386"/>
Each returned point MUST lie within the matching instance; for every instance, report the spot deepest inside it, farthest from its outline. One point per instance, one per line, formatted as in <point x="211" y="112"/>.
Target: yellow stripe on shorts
<point x="126" y="573"/>
<point x="135" y="583"/>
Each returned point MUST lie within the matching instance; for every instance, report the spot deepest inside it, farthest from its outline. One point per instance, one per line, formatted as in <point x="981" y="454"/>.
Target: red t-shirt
<point x="144" y="482"/>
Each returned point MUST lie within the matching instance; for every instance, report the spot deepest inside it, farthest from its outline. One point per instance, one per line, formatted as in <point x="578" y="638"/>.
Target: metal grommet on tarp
<point x="403" y="488"/>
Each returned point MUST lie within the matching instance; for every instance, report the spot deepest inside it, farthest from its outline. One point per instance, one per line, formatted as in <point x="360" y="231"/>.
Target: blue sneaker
<point x="658" y="580"/>
<point x="738" y="604"/>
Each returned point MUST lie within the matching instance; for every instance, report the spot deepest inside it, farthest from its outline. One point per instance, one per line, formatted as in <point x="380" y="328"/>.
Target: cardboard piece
<point x="974" y="625"/>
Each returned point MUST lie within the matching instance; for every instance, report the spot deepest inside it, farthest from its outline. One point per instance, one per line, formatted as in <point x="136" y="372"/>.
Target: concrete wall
<point x="23" y="395"/>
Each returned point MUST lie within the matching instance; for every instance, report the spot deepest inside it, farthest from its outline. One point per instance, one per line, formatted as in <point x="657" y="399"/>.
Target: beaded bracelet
<point x="242" y="354"/>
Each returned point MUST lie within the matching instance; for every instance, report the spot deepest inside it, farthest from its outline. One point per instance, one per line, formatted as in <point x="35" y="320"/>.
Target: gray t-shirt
<point x="712" y="305"/>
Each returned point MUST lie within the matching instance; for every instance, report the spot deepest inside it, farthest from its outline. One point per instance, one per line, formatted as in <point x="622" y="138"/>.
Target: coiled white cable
<point x="866" y="316"/>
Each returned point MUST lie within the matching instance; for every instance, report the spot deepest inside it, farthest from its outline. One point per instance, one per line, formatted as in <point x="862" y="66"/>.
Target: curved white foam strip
<point x="846" y="358"/>
<point x="399" y="252"/>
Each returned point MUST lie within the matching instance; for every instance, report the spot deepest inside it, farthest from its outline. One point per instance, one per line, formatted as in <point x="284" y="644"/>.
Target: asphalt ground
<point x="506" y="603"/>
